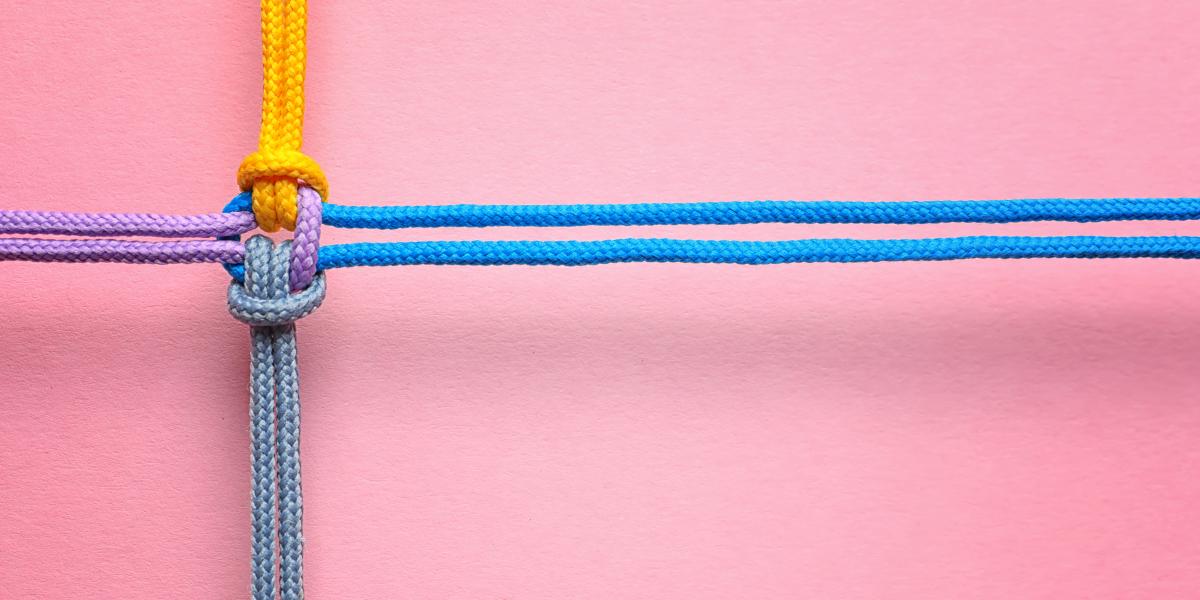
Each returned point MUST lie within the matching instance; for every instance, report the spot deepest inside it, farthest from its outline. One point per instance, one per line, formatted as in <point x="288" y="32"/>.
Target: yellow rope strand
<point x="271" y="173"/>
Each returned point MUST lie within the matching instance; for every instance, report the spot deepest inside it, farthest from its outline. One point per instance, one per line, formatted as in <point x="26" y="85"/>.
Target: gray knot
<point x="264" y="300"/>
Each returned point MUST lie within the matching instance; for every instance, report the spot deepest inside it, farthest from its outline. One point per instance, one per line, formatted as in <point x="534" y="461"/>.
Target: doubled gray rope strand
<point x="277" y="506"/>
<point x="291" y="501"/>
<point x="263" y="515"/>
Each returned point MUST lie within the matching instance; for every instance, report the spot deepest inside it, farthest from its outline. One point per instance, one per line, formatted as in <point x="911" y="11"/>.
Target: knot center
<point x="273" y="176"/>
<point x="263" y="299"/>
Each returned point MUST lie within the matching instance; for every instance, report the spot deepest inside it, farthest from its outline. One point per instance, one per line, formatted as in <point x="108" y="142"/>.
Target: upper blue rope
<point x="764" y="211"/>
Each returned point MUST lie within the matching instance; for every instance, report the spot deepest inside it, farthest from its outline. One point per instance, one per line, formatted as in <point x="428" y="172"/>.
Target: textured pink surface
<point x="980" y="430"/>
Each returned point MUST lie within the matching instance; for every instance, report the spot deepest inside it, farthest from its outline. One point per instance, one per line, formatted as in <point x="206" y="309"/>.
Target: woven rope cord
<point x="307" y="259"/>
<point x="120" y="251"/>
<point x="273" y="171"/>
<point x="569" y="253"/>
<point x="764" y="211"/>
<point x="277" y="504"/>
<point x="915" y="212"/>
<point x="306" y="241"/>
<point x="125" y="224"/>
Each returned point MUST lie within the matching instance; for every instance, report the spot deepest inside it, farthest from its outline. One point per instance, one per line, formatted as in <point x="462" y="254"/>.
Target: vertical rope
<point x="273" y="171"/>
<point x="291" y="499"/>
<point x="264" y="545"/>
<point x="277" y="504"/>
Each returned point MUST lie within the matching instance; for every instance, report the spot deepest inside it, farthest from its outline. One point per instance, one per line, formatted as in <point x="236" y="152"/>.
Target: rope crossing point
<point x="275" y="285"/>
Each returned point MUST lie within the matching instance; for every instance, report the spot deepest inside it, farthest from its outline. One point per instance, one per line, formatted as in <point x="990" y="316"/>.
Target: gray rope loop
<point x="276" y="500"/>
<point x="264" y="299"/>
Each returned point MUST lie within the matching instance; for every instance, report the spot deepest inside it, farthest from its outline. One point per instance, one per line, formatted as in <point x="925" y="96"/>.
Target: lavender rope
<point x="121" y="251"/>
<point x="306" y="240"/>
<point x="227" y="226"/>
<point x="125" y="224"/>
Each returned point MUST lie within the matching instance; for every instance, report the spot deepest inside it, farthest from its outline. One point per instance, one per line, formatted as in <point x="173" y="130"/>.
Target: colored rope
<point x="271" y="173"/>
<point x="768" y="211"/>
<point x="568" y="253"/>
<point x="1090" y="210"/>
<point x="752" y="253"/>
<point x="277" y="505"/>
<point x="125" y="224"/>
<point x="306" y="260"/>
<point x="120" y="251"/>
<point x="306" y="241"/>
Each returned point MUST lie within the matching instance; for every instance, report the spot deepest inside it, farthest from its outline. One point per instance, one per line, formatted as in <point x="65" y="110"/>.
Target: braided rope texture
<point x="305" y="259"/>
<point x="568" y="253"/>
<point x="120" y="251"/>
<point x="263" y="475"/>
<point x="916" y="212"/>
<point x="277" y="504"/>
<point x="765" y="211"/>
<point x="306" y="241"/>
<point x="125" y="224"/>
<point x="236" y="219"/>
<point x="272" y="172"/>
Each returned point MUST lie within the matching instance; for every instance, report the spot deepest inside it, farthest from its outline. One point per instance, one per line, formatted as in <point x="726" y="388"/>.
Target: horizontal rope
<point x="572" y="253"/>
<point x="121" y="251"/>
<point x="125" y="224"/>
<point x="569" y="253"/>
<point x="614" y="251"/>
<point x="766" y="211"/>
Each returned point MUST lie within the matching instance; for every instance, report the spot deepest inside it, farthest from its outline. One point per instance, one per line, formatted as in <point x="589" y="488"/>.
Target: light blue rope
<point x="572" y="253"/>
<point x="277" y="505"/>
<point x="752" y="253"/>
<point x="765" y="211"/>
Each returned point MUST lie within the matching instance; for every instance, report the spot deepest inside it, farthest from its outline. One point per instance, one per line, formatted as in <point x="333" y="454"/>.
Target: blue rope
<point x="751" y="253"/>
<point x="573" y="253"/>
<point x="766" y="211"/>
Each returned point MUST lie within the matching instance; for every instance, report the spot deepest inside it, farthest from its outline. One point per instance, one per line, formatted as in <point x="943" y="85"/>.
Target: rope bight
<point x="274" y="285"/>
<point x="265" y="303"/>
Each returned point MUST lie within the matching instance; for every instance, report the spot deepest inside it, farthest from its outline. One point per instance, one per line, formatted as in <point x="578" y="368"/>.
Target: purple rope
<point x="121" y="251"/>
<point x="131" y="224"/>
<point x="306" y="240"/>
<point x="227" y="225"/>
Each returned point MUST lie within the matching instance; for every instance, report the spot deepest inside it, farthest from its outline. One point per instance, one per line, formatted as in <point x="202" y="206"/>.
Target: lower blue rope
<point x="570" y="253"/>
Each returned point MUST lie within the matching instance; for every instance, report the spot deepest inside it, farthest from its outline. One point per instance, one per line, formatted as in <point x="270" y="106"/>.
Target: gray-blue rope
<point x="277" y="506"/>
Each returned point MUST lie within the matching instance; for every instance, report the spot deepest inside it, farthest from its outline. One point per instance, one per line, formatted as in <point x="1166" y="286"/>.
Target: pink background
<point x="962" y="430"/>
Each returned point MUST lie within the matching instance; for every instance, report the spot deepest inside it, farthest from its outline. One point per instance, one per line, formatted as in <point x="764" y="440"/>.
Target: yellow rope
<point x="272" y="171"/>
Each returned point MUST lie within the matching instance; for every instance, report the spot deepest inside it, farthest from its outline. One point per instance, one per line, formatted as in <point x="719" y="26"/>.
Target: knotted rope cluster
<point x="264" y="302"/>
<point x="275" y="285"/>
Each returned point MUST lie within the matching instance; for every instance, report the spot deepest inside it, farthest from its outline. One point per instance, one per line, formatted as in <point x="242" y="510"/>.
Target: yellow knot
<point x="272" y="177"/>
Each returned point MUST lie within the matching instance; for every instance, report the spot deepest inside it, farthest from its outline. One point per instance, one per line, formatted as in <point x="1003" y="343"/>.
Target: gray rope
<point x="277" y="505"/>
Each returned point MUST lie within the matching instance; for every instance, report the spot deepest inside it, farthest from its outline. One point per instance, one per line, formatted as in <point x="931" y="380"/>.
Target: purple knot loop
<point x="306" y="240"/>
